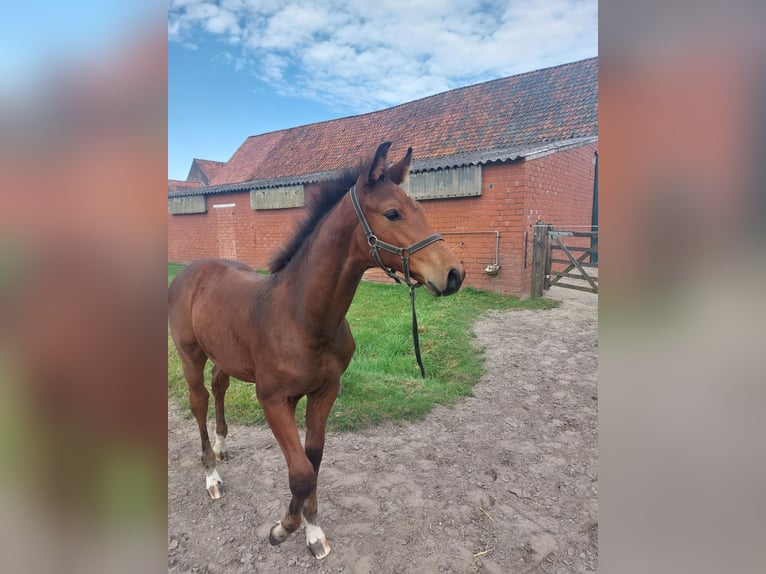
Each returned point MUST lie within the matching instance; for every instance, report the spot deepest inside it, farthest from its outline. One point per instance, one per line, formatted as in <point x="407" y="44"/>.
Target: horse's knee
<point x="314" y="454"/>
<point x="303" y="481"/>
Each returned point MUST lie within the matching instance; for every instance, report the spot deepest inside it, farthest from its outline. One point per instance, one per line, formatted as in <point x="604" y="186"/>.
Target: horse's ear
<point x="378" y="166"/>
<point x="401" y="169"/>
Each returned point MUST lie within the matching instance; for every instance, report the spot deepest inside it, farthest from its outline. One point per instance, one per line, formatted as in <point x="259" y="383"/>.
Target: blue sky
<point x="246" y="67"/>
<point x="37" y="37"/>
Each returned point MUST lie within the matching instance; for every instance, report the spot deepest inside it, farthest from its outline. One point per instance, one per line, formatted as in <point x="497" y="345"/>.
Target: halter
<point x="404" y="253"/>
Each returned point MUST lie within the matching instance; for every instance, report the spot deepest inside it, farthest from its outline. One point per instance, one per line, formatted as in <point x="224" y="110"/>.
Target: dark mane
<point x="318" y="204"/>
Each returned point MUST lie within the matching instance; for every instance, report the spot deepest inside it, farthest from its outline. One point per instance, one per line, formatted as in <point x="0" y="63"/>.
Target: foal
<point x="287" y="332"/>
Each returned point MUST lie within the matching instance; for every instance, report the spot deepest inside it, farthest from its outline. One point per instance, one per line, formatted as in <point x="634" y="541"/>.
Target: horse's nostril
<point x="453" y="280"/>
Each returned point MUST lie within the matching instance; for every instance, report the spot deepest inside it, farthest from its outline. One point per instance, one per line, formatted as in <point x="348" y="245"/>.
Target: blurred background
<point x="83" y="124"/>
<point x="83" y="121"/>
<point x="682" y="122"/>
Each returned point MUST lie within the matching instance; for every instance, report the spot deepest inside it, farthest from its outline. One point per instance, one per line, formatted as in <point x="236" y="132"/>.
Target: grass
<point x="383" y="382"/>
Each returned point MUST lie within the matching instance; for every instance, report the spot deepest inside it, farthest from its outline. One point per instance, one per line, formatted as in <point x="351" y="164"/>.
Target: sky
<point x="39" y="35"/>
<point x="238" y="68"/>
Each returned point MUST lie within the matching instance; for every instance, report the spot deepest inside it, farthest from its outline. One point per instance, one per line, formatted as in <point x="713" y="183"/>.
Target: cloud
<point x="186" y="16"/>
<point x="368" y="55"/>
<point x="295" y="26"/>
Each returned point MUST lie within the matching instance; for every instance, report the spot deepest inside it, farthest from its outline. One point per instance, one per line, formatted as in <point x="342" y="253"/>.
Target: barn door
<point x="224" y="223"/>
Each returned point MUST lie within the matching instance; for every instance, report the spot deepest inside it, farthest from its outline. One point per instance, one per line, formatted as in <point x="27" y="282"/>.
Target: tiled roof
<point x="178" y="185"/>
<point x="493" y="120"/>
<point x="249" y="159"/>
<point x="204" y="170"/>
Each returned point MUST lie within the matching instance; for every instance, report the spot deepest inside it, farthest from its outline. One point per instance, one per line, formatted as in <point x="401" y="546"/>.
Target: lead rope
<point x="415" y="334"/>
<point x="415" y="337"/>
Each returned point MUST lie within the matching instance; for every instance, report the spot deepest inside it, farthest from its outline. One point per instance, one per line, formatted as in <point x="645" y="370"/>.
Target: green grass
<point x="383" y="381"/>
<point x="173" y="270"/>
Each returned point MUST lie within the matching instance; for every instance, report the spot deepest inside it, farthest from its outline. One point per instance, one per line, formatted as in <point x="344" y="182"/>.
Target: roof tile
<point x="204" y="170"/>
<point x="178" y="185"/>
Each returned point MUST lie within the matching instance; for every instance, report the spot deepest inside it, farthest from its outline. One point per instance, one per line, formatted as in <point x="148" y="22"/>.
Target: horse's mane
<point x="327" y="196"/>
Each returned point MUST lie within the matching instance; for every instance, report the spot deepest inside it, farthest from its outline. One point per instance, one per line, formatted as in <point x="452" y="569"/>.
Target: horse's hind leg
<point x="220" y="385"/>
<point x="193" y="362"/>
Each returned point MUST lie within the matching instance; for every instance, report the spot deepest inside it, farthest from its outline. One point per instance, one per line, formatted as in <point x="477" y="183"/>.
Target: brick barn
<point x="489" y="160"/>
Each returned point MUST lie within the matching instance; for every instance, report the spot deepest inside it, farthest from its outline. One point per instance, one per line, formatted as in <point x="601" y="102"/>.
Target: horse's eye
<point x="392" y="215"/>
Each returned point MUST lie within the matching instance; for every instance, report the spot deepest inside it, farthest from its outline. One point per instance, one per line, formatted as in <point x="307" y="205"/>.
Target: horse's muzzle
<point x="454" y="281"/>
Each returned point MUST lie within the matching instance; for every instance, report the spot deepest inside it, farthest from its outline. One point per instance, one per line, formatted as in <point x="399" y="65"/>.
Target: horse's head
<point x="396" y="228"/>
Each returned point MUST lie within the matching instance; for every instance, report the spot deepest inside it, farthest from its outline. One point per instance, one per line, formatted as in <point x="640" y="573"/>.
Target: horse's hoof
<point x="277" y="534"/>
<point x="319" y="549"/>
<point x="214" y="484"/>
<point x="224" y="455"/>
<point x="215" y="490"/>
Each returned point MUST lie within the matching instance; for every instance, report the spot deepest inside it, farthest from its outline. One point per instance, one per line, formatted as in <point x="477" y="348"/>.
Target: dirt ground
<point x="506" y="481"/>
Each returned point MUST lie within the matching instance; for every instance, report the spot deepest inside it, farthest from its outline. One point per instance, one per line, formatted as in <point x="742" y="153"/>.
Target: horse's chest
<point x="328" y="365"/>
<point x="305" y="366"/>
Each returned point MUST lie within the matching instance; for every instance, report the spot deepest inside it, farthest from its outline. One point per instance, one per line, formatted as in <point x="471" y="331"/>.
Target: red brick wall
<point x="557" y="189"/>
<point x="191" y="237"/>
<point x="257" y="235"/>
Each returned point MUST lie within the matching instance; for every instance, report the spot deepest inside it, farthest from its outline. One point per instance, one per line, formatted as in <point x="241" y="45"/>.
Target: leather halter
<point x="404" y="253"/>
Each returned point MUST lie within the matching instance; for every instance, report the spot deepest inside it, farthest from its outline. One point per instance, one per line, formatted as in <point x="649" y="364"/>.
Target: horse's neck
<point x="325" y="275"/>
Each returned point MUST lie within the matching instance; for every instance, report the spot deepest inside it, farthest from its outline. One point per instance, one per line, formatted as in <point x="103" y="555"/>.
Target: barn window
<point x="277" y="197"/>
<point x="187" y="204"/>
<point x="453" y="182"/>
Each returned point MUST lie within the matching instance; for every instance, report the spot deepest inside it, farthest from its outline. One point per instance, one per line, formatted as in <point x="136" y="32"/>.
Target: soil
<point x="505" y="481"/>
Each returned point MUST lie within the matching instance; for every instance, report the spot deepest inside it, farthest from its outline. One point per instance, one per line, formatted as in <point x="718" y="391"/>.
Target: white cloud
<point x="224" y="22"/>
<point x="272" y="68"/>
<point x="295" y="26"/>
<point x="369" y="55"/>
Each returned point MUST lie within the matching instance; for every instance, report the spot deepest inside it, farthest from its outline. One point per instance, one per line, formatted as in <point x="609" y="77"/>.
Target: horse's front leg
<point x="317" y="410"/>
<point x="280" y="414"/>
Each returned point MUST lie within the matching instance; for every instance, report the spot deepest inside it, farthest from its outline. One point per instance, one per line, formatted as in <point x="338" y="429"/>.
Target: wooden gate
<point x="563" y="254"/>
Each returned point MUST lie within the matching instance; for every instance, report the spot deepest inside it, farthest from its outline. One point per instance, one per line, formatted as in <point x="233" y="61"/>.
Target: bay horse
<point x="287" y="331"/>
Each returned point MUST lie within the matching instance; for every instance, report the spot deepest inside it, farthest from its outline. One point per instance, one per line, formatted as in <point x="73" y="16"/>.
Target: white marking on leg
<point x="278" y="534"/>
<point x="316" y="541"/>
<point x="313" y="533"/>
<point x="220" y="444"/>
<point x="212" y="478"/>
